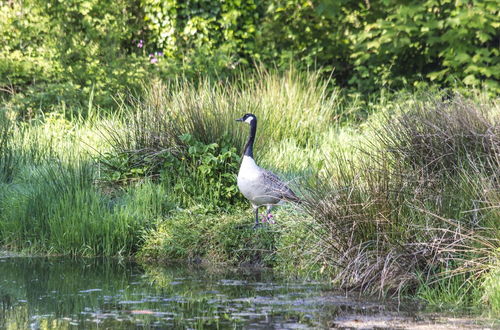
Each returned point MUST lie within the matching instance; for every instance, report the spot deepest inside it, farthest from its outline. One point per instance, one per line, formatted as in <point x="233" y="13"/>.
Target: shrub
<point x="202" y="27"/>
<point x="69" y="51"/>
<point x="60" y="54"/>
<point x="450" y="43"/>
<point x="197" y="174"/>
<point x="368" y="45"/>
<point x="309" y="34"/>
<point x="28" y="53"/>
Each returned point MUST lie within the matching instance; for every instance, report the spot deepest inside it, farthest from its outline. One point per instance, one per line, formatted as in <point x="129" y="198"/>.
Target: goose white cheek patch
<point x="249" y="120"/>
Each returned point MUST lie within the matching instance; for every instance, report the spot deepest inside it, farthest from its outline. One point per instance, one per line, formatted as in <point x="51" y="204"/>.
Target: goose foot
<point x="257" y="225"/>
<point x="267" y="218"/>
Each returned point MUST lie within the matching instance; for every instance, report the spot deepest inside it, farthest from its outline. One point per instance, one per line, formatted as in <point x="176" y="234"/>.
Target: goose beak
<point x="239" y="119"/>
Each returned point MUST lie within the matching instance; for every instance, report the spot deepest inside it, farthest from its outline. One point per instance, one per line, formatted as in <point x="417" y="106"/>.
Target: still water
<point x="59" y="293"/>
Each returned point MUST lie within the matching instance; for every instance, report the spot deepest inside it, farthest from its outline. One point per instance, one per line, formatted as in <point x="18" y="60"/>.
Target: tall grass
<point x="8" y="160"/>
<point x="491" y="294"/>
<point x="49" y="200"/>
<point x="443" y="136"/>
<point x="400" y="203"/>
<point x="416" y="203"/>
<point x="60" y="211"/>
<point x="52" y="194"/>
<point x="294" y="105"/>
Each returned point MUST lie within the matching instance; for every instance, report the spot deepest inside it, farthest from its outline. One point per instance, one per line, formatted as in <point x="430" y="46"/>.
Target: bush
<point x="200" y="174"/>
<point x="368" y="45"/>
<point x="60" y="54"/>
<point x="28" y="53"/>
<point x="67" y="53"/>
<point x="451" y="43"/>
<point x="203" y="28"/>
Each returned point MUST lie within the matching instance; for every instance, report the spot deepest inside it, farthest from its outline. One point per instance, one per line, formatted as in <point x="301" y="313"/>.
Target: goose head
<point x="248" y="118"/>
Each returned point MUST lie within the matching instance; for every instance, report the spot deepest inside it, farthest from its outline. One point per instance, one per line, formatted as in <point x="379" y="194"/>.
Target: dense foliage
<point x="447" y="42"/>
<point x="85" y="51"/>
<point x="67" y="52"/>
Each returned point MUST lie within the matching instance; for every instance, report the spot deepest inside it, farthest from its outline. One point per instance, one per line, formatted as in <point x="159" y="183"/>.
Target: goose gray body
<point x="261" y="187"/>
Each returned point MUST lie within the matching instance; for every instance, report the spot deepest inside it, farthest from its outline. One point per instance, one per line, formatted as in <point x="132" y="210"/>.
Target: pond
<point x="55" y="293"/>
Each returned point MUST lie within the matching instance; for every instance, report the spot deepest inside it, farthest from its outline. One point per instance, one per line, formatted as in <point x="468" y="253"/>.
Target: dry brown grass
<point x="422" y="204"/>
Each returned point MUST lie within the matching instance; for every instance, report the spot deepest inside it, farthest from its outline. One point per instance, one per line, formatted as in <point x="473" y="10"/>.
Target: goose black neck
<point x="251" y="138"/>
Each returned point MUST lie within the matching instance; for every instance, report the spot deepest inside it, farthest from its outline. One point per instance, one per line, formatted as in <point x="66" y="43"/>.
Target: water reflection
<point x="41" y="293"/>
<point x="65" y="293"/>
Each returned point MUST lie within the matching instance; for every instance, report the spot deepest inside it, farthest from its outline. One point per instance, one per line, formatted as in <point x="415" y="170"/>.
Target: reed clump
<point x="419" y="204"/>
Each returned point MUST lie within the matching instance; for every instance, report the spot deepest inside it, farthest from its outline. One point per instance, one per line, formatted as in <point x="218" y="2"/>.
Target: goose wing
<point x="276" y="186"/>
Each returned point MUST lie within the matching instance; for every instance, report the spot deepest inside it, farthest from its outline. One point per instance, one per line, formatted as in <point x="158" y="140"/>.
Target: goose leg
<point x="257" y="224"/>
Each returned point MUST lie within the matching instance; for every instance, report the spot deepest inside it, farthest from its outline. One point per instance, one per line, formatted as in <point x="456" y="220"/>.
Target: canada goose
<point x="261" y="187"/>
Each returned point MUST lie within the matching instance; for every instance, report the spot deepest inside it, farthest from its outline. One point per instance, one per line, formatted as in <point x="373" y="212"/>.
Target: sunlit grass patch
<point x="195" y="237"/>
<point x="457" y="292"/>
<point x="49" y="199"/>
<point x="229" y="239"/>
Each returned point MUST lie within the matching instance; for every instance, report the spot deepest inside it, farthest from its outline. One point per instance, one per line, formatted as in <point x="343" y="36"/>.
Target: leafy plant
<point x="203" y="28"/>
<point x="210" y="174"/>
<point x="447" y="42"/>
<point x="199" y="173"/>
<point x="59" y="54"/>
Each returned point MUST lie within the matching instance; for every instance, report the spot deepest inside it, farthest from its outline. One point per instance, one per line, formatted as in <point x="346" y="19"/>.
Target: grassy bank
<point x="401" y="195"/>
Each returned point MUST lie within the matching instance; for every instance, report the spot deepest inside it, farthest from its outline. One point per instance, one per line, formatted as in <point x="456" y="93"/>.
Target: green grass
<point x="295" y="107"/>
<point x="230" y="239"/>
<point x="400" y="197"/>
<point x="491" y="294"/>
<point x="51" y="200"/>
<point x="450" y="293"/>
<point x="211" y="238"/>
<point x="59" y="211"/>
